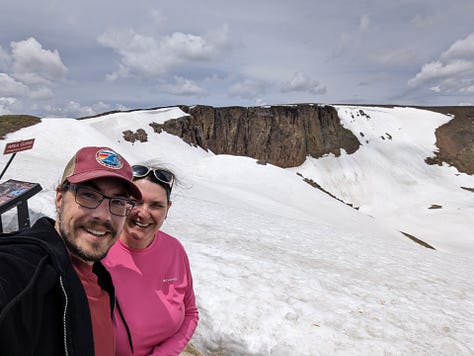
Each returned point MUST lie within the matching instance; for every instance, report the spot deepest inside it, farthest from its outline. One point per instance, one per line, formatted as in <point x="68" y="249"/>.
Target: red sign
<point x="18" y="146"/>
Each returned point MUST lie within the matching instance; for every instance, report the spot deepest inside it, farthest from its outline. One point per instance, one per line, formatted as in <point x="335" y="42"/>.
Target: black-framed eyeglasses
<point x="91" y="199"/>
<point x="163" y="175"/>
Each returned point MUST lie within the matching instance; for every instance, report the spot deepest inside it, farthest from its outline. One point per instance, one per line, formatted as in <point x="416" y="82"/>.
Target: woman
<point x="156" y="312"/>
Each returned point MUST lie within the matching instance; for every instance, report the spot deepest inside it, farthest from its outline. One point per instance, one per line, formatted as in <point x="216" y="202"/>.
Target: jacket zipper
<point x="66" y="304"/>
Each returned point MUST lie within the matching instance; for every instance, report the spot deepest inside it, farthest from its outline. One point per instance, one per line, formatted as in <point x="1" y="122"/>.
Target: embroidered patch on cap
<point x="109" y="159"/>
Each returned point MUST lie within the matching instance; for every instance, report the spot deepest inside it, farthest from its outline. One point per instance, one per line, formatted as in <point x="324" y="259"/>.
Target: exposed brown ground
<point x="455" y="139"/>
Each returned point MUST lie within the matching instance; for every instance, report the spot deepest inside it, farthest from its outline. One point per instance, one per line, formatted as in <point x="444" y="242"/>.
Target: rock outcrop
<point x="280" y="135"/>
<point x="455" y="139"/>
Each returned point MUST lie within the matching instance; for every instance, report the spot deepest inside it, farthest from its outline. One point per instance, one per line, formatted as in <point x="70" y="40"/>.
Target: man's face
<point x="89" y="233"/>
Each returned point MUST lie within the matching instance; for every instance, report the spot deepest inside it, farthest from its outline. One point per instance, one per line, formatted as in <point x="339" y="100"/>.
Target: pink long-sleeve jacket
<point x="155" y="295"/>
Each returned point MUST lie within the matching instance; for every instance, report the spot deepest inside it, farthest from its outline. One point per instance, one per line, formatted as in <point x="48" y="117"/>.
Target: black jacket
<point x="43" y="306"/>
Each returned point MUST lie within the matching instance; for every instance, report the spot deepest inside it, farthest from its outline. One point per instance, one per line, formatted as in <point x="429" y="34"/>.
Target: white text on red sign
<point x="19" y="146"/>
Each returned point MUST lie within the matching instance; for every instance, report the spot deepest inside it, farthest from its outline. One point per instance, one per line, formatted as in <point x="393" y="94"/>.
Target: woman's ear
<point x="168" y="208"/>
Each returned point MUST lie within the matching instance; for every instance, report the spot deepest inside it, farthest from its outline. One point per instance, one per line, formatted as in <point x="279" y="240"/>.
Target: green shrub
<point x="12" y="123"/>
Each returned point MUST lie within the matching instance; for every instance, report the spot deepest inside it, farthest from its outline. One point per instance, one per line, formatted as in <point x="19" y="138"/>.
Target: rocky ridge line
<point x="280" y="135"/>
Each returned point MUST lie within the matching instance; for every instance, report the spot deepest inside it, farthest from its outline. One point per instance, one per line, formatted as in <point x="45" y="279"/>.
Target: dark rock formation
<point x="280" y="135"/>
<point x="455" y="139"/>
<point x="139" y="135"/>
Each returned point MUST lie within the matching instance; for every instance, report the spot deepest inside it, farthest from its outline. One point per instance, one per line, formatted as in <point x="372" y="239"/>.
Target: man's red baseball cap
<point x="100" y="162"/>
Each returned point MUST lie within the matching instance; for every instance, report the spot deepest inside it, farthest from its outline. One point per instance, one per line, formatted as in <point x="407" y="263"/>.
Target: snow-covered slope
<point x="388" y="179"/>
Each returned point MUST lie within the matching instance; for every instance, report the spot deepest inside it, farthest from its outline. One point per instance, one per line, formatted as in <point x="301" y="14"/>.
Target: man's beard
<point x="75" y="249"/>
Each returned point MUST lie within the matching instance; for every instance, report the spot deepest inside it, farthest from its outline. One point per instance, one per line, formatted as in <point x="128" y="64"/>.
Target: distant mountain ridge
<point x="284" y="135"/>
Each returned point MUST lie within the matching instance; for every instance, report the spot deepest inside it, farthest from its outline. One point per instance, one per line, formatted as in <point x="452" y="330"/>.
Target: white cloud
<point x="145" y="56"/>
<point x="31" y="79"/>
<point x="30" y="72"/>
<point x="4" y="59"/>
<point x="75" y="109"/>
<point x="41" y="93"/>
<point x="300" y="82"/>
<point x="184" y="87"/>
<point x="11" y="87"/>
<point x="5" y="104"/>
<point x="453" y="72"/>
<point x="33" y="65"/>
<point x="101" y="107"/>
<point x="438" y="71"/>
<point x="189" y="46"/>
<point x="461" y="49"/>
<point x="247" y="89"/>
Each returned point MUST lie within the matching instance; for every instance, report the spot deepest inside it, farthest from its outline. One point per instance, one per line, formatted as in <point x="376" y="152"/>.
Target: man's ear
<point x="57" y="200"/>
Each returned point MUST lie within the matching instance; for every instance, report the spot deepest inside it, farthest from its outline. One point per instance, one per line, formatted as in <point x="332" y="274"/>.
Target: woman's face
<point x="147" y="216"/>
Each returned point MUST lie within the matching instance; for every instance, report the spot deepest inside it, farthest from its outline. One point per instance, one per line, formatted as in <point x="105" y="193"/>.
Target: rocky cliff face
<point x="280" y="135"/>
<point x="455" y="139"/>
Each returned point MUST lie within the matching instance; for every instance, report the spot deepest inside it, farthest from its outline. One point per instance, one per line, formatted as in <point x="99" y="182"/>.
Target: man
<point x="56" y="298"/>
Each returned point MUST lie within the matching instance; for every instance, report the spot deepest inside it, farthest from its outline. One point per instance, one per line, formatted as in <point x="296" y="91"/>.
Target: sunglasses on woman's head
<point x="163" y="175"/>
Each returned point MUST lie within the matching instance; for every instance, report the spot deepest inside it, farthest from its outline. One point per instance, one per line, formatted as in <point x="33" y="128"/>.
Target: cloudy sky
<point x="75" y="58"/>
